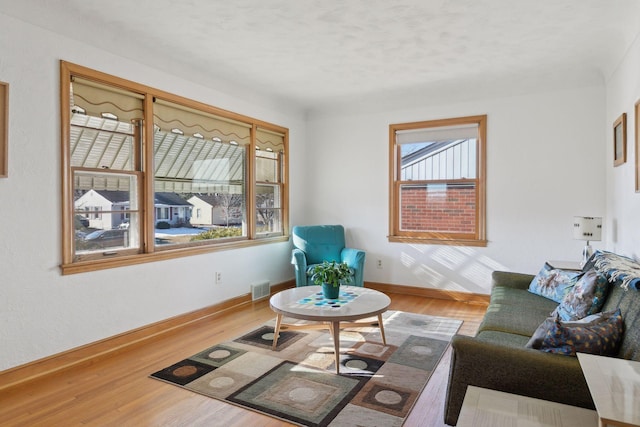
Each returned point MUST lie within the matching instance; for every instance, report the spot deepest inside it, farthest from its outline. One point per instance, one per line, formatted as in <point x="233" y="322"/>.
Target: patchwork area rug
<point x="377" y="385"/>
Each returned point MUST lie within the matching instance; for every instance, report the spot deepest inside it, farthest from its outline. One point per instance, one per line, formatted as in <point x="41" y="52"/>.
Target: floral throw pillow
<point x="599" y="333"/>
<point x="585" y="298"/>
<point x="553" y="283"/>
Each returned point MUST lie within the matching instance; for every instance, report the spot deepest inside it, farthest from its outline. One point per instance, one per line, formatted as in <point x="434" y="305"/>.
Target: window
<point x="437" y="181"/>
<point x="142" y="162"/>
<point x="269" y="182"/>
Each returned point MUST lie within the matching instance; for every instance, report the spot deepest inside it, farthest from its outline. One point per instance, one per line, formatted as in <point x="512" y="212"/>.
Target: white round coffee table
<point x="307" y="303"/>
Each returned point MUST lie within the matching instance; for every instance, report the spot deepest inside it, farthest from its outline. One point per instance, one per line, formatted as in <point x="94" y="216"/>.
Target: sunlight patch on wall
<point x="491" y="263"/>
<point x="430" y="276"/>
<point x="450" y="257"/>
<point x="450" y="267"/>
<point x="425" y="273"/>
<point x="476" y="272"/>
<point x="406" y="259"/>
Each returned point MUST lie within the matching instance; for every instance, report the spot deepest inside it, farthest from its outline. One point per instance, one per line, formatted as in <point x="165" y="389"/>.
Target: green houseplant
<point x="331" y="274"/>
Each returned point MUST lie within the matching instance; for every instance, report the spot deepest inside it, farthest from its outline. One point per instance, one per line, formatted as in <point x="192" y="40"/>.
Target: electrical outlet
<point x="380" y="263"/>
<point x="218" y="277"/>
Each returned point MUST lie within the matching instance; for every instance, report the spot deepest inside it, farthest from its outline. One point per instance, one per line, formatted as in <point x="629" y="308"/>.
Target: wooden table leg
<point x="381" y="326"/>
<point x="276" y="331"/>
<point x="335" y="329"/>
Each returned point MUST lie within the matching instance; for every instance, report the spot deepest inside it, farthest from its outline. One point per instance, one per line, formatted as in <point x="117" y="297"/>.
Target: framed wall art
<point x="620" y="140"/>
<point x="4" y="129"/>
<point x="637" y="145"/>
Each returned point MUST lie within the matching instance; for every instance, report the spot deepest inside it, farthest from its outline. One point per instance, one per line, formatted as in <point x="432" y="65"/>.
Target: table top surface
<point x="615" y="387"/>
<point x="490" y="408"/>
<point x="307" y="303"/>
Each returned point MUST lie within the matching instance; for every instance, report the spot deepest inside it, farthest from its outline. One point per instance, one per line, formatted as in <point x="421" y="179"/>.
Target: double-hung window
<point x="437" y="181"/>
<point x="148" y="175"/>
<point x="269" y="182"/>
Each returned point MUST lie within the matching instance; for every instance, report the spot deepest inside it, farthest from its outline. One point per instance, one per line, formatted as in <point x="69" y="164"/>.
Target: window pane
<point x="268" y="209"/>
<point x="102" y="131"/>
<point x="191" y="173"/>
<point x="440" y="160"/>
<point x="105" y="212"/>
<point x="266" y="166"/>
<point x="438" y="208"/>
<point x="269" y="163"/>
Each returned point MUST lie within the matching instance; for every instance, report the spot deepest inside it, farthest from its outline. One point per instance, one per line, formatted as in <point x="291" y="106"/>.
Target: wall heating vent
<point x="260" y="290"/>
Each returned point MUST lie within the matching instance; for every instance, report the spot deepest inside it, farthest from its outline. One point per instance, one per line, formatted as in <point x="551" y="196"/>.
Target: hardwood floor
<point x="117" y="391"/>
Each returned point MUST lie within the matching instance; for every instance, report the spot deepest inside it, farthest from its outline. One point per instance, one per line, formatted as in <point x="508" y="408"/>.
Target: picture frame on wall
<point x="620" y="140"/>
<point x="637" y="145"/>
<point x="4" y="129"/>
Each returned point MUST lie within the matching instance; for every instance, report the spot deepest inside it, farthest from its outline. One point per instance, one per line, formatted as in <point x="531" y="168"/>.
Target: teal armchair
<point x="314" y="244"/>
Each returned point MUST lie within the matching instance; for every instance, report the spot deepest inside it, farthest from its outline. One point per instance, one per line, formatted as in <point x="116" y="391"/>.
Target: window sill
<point x="125" y="260"/>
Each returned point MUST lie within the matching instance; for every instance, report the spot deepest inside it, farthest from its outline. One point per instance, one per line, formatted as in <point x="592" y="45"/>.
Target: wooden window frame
<point x="395" y="233"/>
<point x="148" y="252"/>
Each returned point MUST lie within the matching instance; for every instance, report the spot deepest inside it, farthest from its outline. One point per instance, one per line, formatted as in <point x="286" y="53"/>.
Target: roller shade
<point x="96" y="99"/>
<point x="437" y="134"/>
<point x="266" y="139"/>
<point x="169" y="116"/>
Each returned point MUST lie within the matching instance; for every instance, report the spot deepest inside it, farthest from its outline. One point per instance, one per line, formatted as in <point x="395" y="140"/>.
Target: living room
<point x="549" y="158"/>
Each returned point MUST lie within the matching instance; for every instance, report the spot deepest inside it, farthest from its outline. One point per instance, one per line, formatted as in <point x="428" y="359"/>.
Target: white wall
<point x="545" y="165"/>
<point x="43" y="312"/>
<point x="544" y="161"/>
<point x="623" y="203"/>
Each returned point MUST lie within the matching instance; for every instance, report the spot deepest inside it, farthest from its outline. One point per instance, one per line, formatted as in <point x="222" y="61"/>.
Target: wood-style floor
<point x="117" y="391"/>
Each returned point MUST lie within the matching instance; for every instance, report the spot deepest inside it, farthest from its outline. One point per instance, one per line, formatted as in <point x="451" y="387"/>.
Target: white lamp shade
<point x="587" y="228"/>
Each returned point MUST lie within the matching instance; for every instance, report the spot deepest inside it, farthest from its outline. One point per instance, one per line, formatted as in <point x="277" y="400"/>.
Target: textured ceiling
<point x="316" y="53"/>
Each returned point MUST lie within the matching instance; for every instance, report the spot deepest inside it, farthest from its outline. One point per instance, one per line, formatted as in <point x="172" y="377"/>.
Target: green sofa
<point x="496" y="358"/>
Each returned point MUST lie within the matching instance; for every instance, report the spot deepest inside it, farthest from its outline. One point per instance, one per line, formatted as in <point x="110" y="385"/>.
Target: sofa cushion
<point x="596" y="334"/>
<point x="553" y="283"/>
<point x="521" y="297"/>
<point x="628" y="301"/>
<point x="585" y="298"/>
<point x="515" y="311"/>
<point x="503" y="338"/>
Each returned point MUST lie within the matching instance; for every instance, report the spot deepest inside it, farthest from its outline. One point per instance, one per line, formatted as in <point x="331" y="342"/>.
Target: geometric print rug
<point x="377" y="385"/>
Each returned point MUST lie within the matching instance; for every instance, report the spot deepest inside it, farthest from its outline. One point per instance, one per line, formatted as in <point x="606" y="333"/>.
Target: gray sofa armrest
<point x="511" y="280"/>
<point x="514" y="370"/>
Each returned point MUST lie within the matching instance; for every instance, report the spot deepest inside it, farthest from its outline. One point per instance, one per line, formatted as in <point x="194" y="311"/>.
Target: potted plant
<point x="331" y="274"/>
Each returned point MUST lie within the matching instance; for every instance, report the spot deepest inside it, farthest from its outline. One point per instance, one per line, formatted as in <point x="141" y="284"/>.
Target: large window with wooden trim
<point x="437" y="181"/>
<point x="149" y="175"/>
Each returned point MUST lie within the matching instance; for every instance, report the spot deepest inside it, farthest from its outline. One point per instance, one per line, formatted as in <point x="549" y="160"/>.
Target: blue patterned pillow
<point x="552" y="283"/>
<point x="596" y="334"/>
<point x="585" y="298"/>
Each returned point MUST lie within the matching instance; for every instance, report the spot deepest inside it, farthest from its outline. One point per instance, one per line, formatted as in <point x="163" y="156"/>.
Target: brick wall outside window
<point x="450" y="209"/>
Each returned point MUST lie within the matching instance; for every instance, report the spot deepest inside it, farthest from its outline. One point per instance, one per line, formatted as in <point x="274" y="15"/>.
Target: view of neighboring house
<point x="108" y="209"/>
<point x="172" y="208"/>
<point x="101" y="208"/>
<point x="216" y="209"/>
<point x="439" y="160"/>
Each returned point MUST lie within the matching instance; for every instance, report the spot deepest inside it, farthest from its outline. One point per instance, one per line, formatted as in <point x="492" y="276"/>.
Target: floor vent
<point x="260" y="290"/>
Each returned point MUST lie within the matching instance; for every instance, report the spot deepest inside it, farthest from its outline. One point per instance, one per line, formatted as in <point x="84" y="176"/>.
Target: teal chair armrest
<point x="355" y="260"/>
<point x="299" y="260"/>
